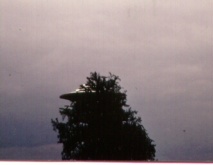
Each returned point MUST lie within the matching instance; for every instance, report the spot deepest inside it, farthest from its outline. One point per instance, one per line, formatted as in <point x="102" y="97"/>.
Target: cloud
<point x="161" y="50"/>
<point x="45" y="152"/>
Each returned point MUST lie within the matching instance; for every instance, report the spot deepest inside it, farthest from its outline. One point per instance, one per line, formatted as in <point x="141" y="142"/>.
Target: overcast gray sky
<point x="161" y="50"/>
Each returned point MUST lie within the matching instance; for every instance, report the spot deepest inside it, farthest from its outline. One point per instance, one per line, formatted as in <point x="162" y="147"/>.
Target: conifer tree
<point x="99" y="125"/>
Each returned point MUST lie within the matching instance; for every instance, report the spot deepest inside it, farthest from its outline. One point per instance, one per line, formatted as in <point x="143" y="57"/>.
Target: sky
<point x="160" y="49"/>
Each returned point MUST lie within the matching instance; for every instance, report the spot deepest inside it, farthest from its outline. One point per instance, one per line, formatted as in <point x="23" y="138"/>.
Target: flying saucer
<point x="78" y="93"/>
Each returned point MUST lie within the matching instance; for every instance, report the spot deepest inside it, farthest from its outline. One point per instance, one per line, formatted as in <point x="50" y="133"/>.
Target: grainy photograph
<point x="104" y="80"/>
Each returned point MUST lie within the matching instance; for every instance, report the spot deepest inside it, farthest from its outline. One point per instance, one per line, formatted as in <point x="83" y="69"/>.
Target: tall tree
<point x="99" y="125"/>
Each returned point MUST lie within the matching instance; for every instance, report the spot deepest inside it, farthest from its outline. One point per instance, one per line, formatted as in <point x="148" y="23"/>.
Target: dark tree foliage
<point x="99" y="125"/>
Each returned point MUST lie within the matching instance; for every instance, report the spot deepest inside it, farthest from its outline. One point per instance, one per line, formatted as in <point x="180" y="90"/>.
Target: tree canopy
<point x="99" y="125"/>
